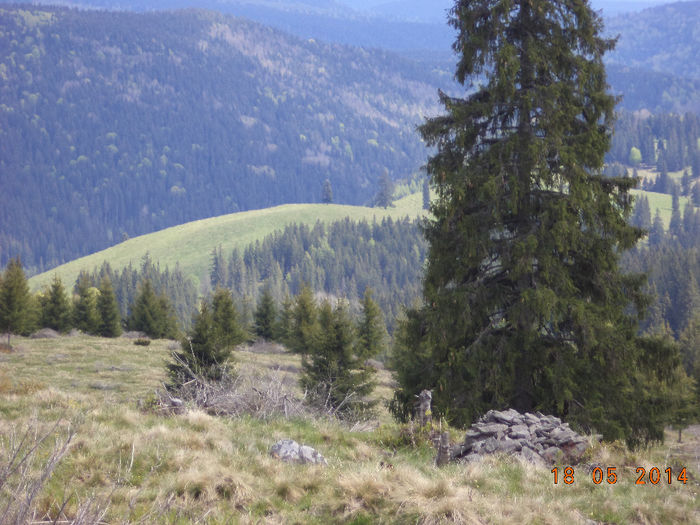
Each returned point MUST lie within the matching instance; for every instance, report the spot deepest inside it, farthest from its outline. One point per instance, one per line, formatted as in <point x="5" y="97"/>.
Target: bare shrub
<point x="24" y="471"/>
<point x="45" y="333"/>
<point x="264" y="395"/>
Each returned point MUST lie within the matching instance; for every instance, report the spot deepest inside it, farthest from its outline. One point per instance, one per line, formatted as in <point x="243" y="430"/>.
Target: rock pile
<point x="292" y="452"/>
<point x="535" y="437"/>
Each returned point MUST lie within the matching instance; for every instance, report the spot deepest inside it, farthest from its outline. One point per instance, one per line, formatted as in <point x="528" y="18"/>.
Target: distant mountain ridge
<point x="663" y="39"/>
<point x="115" y="123"/>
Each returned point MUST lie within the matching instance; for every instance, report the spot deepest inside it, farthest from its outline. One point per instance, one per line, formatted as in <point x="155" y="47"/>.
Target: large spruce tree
<point x="524" y="303"/>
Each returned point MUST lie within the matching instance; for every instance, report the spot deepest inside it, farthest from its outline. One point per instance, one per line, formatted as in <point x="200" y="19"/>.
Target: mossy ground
<point x="145" y="466"/>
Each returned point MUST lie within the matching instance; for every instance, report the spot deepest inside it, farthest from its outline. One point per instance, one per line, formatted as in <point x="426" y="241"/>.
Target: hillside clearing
<point x="189" y="245"/>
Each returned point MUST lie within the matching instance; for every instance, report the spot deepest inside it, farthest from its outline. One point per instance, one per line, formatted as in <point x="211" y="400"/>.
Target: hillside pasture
<point x="190" y="245"/>
<point x="130" y="462"/>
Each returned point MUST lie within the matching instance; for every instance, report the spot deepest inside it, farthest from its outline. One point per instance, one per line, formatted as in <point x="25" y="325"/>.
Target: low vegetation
<point x="126" y="459"/>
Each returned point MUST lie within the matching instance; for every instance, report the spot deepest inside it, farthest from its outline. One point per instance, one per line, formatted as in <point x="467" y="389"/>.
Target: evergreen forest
<point x="115" y="124"/>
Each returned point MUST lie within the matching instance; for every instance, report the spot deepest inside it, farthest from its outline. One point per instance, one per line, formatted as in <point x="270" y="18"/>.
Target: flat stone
<point x="519" y="432"/>
<point x="551" y="454"/>
<point x="531" y="418"/>
<point x="490" y="445"/>
<point x="532" y="456"/>
<point x="508" y="445"/>
<point x="509" y="417"/>
<point x="491" y="428"/>
<point x="562" y="435"/>
<point x="471" y="458"/>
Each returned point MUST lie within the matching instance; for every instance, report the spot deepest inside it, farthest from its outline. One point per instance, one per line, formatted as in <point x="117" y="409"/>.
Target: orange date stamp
<point x="653" y="476"/>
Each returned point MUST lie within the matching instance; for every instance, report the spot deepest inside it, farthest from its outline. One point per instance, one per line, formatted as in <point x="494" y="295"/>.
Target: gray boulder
<point x="292" y="452"/>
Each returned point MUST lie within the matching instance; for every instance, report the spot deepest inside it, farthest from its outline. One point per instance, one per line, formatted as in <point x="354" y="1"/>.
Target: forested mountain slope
<point x="662" y="39"/>
<point x="121" y="123"/>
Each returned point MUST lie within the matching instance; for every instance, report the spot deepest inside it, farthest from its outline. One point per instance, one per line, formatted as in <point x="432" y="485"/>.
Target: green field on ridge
<point x="189" y="245"/>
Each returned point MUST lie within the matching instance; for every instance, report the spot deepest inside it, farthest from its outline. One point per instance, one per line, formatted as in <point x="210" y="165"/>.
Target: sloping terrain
<point x="122" y="123"/>
<point x="137" y="463"/>
<point x="190" y="245"/>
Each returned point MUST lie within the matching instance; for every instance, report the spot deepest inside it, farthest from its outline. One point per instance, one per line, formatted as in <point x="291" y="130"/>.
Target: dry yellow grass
<point x="147" y="467"/>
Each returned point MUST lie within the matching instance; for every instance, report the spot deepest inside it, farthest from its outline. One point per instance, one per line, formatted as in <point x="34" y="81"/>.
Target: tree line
<point x="663" y="141"/>
<point x="340" y="259"/>
<point x="102" y="303"/>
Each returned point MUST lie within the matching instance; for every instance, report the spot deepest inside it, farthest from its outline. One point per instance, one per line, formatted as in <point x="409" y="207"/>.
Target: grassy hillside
<point x="190" y="244"/>
<point x="137" y="464"/>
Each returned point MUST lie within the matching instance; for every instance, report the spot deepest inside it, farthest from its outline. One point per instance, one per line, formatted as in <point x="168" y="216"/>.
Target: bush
<point x="142" y="342"/>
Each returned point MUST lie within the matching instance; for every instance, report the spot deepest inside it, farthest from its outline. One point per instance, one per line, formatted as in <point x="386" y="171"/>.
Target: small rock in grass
<point x="290" y="451"/>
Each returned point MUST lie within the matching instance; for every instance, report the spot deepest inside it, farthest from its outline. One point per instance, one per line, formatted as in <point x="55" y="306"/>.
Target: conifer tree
<point x="656" y="233"/>
<point x="15" y="300"/>
<point x="305" y="326"/>
<point x="86" y="318"/>
<point x="227" y="329"/>
<point x="524" y="303"/>
<point x="55" y="308"/>
<point x="695" y="194"/>
<point x="426" y="194"/>
<point x="676" y="225"/>
<point x="285" y="321"/>
<point x="202" y="352"/>
<point x="662" y="181"/>
<point x="152" y="314"/>
<point x="265" y="315"/>
<point x="642" y="214"/>
<point x="332" y="374"/>
<point x="327" y="193"/>
<point x="385" y="193"/>
<point x="685" y="182"/>
<point x="218" y="271"/>
<point x="108" y="310"/>
<point x="371" y="330"/>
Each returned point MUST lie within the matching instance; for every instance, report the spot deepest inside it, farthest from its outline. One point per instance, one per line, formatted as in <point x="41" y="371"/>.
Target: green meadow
<point x="190" y="245"/>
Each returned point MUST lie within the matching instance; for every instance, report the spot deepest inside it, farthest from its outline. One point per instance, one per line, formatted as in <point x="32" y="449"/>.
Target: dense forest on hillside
<point x="341" y="259"/>
<point x="180" y="291"/>
<point x="117" y="123"/>
<point x="663" y="38"/>
<point x="670" y="139"/>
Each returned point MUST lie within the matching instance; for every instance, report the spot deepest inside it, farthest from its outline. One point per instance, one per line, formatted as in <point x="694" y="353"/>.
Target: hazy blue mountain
<point x="664" y="39"/>
<point x="124" y="123"/>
